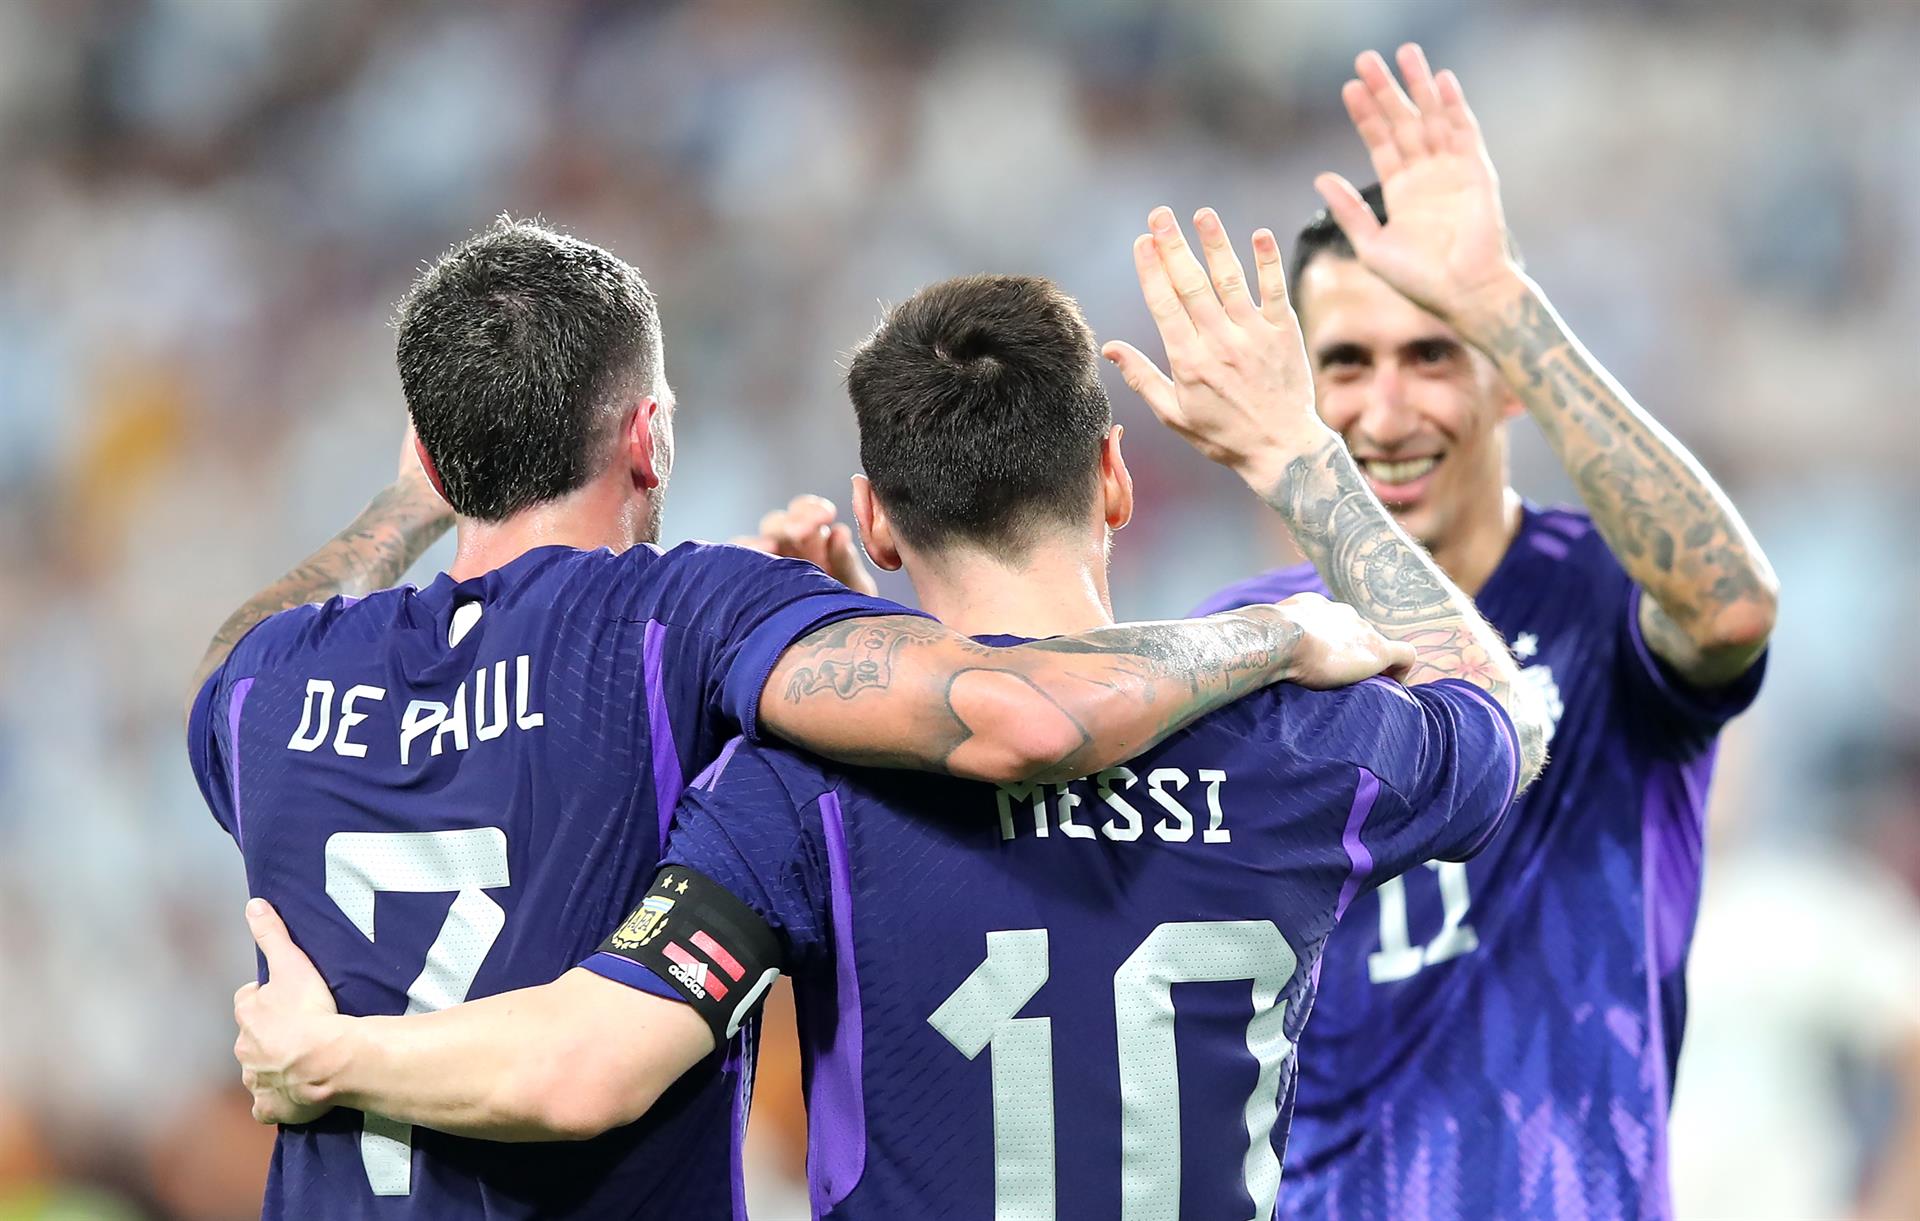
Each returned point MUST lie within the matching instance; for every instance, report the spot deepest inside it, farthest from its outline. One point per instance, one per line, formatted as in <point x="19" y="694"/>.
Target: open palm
<point x="1444" y="245"/>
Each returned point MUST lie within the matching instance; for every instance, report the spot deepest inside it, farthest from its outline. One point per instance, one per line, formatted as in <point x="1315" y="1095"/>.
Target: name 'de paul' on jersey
<point x="320" y="726"/>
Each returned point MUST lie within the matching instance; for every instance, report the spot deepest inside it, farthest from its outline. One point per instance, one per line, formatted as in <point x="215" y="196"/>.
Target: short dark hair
<point x="1323" y="235"/>
<point x="513" y="349"/>
<point x="981" y="411"/>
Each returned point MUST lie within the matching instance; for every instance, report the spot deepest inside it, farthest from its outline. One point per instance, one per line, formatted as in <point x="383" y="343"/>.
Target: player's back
<point x="453" y="792"/>
<point x="1081" y="999"/>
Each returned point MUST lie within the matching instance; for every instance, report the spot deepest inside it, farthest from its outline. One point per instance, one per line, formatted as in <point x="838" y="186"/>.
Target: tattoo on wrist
<point x="1369" y="563"/>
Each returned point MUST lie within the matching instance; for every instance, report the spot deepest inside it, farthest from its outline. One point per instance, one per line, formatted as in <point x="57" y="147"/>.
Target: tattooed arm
<point x="374" y="552"/>
<point x="1711" y="593"/>
<point x="901" y="691"/>
<point x="1241" y="392"/>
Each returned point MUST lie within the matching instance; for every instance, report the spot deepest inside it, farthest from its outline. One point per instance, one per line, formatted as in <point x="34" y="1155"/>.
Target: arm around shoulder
<point x="903" y="691"/>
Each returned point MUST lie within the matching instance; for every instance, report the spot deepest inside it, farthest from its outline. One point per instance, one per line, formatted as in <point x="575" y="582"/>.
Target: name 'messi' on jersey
<point x="1040" y="810"/>
<point x="321" y="724"/>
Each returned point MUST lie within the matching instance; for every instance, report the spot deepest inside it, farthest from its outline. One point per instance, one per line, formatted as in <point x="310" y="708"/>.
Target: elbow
<point x="568" y="1095"/>
<point x="577" y="1106"/>
<point x="579" y="1113"/>
<point x="1744" y="626"/>
<point x="1017" y="732"/>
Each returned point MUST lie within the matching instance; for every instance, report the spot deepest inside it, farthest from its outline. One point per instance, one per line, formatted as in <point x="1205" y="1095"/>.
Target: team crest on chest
<point x="1540" y="677"/>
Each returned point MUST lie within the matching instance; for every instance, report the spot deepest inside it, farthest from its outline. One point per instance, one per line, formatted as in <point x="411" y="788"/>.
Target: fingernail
<point x="256" y="907"/>
<point x="1161" y="218"/>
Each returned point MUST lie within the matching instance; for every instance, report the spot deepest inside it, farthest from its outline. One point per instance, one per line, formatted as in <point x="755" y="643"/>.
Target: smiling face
<point x="1422" y="412"/>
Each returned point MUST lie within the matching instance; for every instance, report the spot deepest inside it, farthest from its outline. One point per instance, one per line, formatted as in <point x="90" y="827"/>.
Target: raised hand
<point x="412" y="478"/>
<point x="286" y="1026"/>
<point x="807" y="529"/>
<point x="1240" y="389"/>
<point x="1444" y="245"/>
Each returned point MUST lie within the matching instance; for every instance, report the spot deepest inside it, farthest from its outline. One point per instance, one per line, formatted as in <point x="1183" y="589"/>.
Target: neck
<point x="1058" y="588"/>
<point x="1473" y="552"/>
<point x="601" y="514"/>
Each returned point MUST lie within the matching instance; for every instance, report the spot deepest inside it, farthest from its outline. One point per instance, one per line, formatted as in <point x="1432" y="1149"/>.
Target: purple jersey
<point x="487" y="767"/>
<point x="988" y="979"/>
<point x="1497" y="1038"/>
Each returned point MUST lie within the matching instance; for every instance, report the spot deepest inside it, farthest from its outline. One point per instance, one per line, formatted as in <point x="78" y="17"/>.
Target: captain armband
<point x="709" y="946"/>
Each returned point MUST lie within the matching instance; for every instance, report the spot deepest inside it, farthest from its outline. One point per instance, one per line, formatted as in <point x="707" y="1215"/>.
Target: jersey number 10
<point x="980" y="1015"/>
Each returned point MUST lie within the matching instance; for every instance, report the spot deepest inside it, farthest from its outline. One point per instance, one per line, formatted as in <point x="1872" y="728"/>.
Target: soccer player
<point x="1058" y="929"/>
<point x="451" y="791"/>
<point x="1497" y="1038"/>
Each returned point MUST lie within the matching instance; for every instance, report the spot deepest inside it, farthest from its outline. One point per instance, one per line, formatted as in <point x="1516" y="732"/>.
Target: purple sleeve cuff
<point x="748" y="675"/>
<point x="632" y="974"/>
<point x="200" y="733"/>
<point x="1712" y="706"/>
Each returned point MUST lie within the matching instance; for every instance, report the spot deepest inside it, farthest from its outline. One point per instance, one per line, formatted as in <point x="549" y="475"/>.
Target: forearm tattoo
<point x="374" y="552"/>
<point x="1673" y="529"/>
<point x="1121" y="689"/>
<point x="847" y="658"/>
<point x="1368" y="562"/>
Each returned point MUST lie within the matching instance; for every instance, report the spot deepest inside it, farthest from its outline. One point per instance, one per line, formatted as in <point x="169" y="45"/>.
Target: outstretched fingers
<point x="1163" y="301"/>
<point x="1376" y="130"/>
<point x="1409" y="134"/>
<point x="1229" y="277"/>
<point x="1463" y="126"/>
<point x="1349" y="211"/>
<point x="1438" y="132"/>
<point x="1184" y="269"/>
<point x="1144" y="378"/>
<point x="1272" y="274"/>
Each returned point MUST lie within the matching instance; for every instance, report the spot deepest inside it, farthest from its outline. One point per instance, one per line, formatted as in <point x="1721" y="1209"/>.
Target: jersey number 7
<point x="468" y="862"/>
<point x="980" y="1015"/>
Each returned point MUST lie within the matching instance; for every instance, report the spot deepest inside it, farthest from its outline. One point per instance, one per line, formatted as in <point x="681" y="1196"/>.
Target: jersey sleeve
<point x="742" y="889"/>
<point x="213" y="723"/>
<point x="1437" y="767"/>
<point x="1691" y="714"/>
<point x="1275" y="586"/>
<point x="752" y="608"/>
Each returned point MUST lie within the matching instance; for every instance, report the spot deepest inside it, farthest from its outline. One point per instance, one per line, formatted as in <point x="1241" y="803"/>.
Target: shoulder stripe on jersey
<point x="1359" y="860"/>
<point x="1550" y="545"/>
<point x="1568" y="525"/>
<point x="836" y="1108"/>
<point x="707" y="780"/>
<point x="234" y="703"/>
<point x="663" y="758"/>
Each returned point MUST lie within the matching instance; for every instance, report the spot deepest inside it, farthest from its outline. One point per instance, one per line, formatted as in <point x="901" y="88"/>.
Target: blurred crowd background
<point x="209" y="207"/>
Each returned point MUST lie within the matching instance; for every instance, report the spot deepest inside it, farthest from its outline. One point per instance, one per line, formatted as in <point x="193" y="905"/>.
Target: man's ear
<point x="426" y="465"/>
<point x="640" y="449"/>
<point x="875" y="531"/>
<point x="1116" y="481"/>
